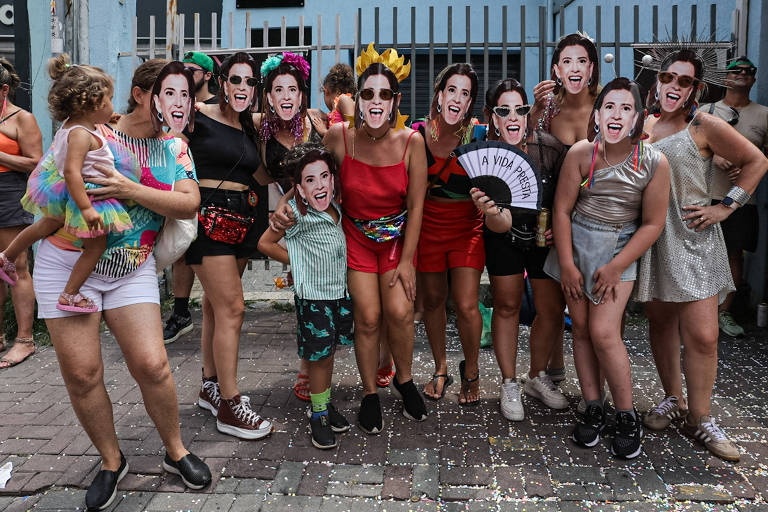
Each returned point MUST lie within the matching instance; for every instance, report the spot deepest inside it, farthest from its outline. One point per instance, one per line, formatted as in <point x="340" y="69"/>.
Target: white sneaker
<point x="541" y="387"/>
<point x="509" y="398"/>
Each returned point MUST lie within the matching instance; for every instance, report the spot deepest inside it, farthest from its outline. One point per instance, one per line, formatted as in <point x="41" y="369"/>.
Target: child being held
<point x="80" y="97"/>
<point x="316" y="250"/>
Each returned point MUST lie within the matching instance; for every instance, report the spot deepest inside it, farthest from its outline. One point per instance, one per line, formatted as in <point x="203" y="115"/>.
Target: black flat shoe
<point x="369" y="417"/>
<point x="413" y="404"/>
<point x="103" y="489"/>
<point x="193" y="471"/>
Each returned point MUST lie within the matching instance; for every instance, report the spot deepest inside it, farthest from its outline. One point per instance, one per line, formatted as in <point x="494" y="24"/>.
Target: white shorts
<point x="53" y="267"/>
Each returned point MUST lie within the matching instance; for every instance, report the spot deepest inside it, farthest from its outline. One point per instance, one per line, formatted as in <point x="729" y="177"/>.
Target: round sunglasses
<point x="521" y="110"/>
<point x="237" y="80"/>
<point x="683" y="81"/>
<point x="384" y="94"/>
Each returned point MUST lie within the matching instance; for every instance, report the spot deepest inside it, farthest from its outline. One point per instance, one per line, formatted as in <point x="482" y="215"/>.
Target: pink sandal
<point x="7" y="269"/>
<point x="73" y="300"/>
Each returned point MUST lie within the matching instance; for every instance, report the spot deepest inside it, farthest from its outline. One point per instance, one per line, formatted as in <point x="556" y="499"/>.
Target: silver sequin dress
<point x="684" y="265"/>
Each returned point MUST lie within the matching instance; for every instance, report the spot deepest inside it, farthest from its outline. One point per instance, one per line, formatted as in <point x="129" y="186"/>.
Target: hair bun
<point x="58" y="65"/>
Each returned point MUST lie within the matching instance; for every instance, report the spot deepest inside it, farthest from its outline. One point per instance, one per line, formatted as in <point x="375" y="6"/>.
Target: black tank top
<point x="218" y="148"/>
<point x="274" y="152"/>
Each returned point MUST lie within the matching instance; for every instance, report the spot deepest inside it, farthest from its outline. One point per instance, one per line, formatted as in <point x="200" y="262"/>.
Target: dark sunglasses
<point x="683" y="81"/>
<point x="237" y="80"/>
<point x="193" y="70"/>
<point x="749" y="71"/>
<point x="521" y="110"/>
<point x="384" y="94"/>
<point x="734" y="120"/>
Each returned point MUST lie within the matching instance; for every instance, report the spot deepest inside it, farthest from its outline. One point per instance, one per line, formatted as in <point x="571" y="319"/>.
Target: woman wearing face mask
<point x="609" y="208"/>
<point x="383" y="178"/>
<point x="452" y="234"/>
<point x="685" y="273"/>
<point x="224" y="147"/>
<point x="510" y="242"/>
<point x="561" y="106"/>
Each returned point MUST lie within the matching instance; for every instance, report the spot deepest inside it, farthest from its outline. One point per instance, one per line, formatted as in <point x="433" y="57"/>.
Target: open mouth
<point x="513" y="128"/>
<point x="177" y="115"/>
<point x="575" y="80"/>
<point x="614" y="129"/>
<point x="376" y="113"/>
<point x="321" y="196"/>
<point x="286" y="107"/>
<point x="454" y="109"/>
<point x="672" y="96"/>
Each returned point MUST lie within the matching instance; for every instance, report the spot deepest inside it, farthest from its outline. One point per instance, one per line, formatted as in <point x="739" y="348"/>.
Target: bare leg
<point x="465" y="285"/>
<point x="736" y="262"/>
<point x="547" y="329"/>
<point x="434" y="292"/>
<point x="584" y="357"/>
<point x="366" y="301"/>
<point x="183" y="278"/>
<point x="23" y="298"/>
<point x="93" y="248"/>
<point x="320" y="374"/>
<point x="398" y="315"/>
<point x="699" y="332"/>
<point x="664" y="330"/>
<point x="505" y="322"/>
<point x="25" y="236"/>
<point x="206" y="338"/>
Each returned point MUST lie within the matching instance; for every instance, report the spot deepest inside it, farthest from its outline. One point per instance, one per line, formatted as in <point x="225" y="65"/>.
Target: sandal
<point x="435" y="376"/>
<point x="301" y="388"/>
<point x="384" y="375"/>
<point x="73" y="301"/>
<point x="7" y="270"/>
<point x="5" y="362"/>
<point x="2" y="342"/>
<point x="465" y="383"/>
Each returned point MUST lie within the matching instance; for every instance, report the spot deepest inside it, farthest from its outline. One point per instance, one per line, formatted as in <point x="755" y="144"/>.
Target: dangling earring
<point x="632" y="131"/>
<point x="498" y="133"/>
<point x="226" y="98"/>
<point x="434" y="130"/>
<point x="304" y="200"/>
<point x="271" y="109"/>
<point x="559" y="82"/>
<point x="657" y="95"/>
<point x="439" y="108"/>
<point x="362" y="116"/>
<point x="160" y="116"/>
<point x="589" y="82"/>
<point x="597" y="128"/>
<point x="389" y="117"/>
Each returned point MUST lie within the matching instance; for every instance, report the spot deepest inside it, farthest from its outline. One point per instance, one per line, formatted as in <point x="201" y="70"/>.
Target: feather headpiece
<point x="712" y="56"/>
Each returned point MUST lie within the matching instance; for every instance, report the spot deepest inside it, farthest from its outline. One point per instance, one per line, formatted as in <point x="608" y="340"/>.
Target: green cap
<point x="741" y="61"/>
<point x="200" y="59"/>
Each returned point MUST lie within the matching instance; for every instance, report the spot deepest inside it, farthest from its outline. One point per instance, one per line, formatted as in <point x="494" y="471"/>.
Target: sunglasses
<point x="384" y="94"/>
<point x="748" y="70"/>
<point x="683" y="81"/>
<point x="193" y="70"/>
<point x="521" y="110"/>
<point x="237" y="80"/>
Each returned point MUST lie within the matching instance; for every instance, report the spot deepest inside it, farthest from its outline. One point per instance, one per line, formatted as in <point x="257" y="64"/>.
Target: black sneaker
<point x="587" y="431"/>
<point x="193" y="471"/>
<point x="413" y="404"/>
<point x="369" y="416"/>
<point x="322" y="433"/>
<point x="338" y="422"/>
<point x="175" y="327"/>
<point x="627" y="442"/>
<point x="103" y="489"/>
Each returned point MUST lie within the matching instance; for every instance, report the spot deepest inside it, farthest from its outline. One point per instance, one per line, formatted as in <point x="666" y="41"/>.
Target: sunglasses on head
<point x="683" y="81"/>
<point x="384" y="94"/>
<point x="237" y="80"/>
<point x="521" y="110"/>
<point x="748" y="70"/>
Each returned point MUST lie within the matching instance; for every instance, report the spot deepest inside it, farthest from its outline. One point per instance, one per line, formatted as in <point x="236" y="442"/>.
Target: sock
<point x="509" y="381"/>
<point x="598" y="403"/>
<point x="181" y="306"/>
<point x="320" y="403"/>
<point x="631" y="412"/>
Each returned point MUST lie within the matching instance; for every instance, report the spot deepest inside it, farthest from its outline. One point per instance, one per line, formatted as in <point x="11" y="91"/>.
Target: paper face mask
<point x="316" y="187"/>
<point x="617" y="115"/>
<point x="174" y="101"/>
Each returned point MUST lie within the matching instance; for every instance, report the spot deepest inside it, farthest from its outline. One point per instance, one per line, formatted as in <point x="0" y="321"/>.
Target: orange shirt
<point x="10" y="146"/>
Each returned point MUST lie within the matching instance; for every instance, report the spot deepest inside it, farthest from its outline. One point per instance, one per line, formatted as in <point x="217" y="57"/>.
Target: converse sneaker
<point x="193" y="472"/>
<point x="338" y="422"/>
<point x="587" y="431"/>
<point x="175" y="327"/>
<point x="103" y="489"/>
<point x="662" y="415"/>
<point x="581" y="408"/>
<point x="236" y="418"/>
<point x="509" y="401"/>
<point x="709" y="434"/>
<point x="209" y="397"/>
<point x="369" y="416"/>
<point x="322" y="433"/>
<point x="541" y="387"/>
<point x="627" y="442"/>
<point x="728" y="325"/>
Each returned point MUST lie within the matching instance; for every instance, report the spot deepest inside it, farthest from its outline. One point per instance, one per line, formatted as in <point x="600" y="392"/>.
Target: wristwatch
<point x="729" y="202"/>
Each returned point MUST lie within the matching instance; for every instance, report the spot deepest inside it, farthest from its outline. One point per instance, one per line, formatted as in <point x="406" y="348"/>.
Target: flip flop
<point x="466" y="382"/>
<point x="448" y="381"/>
<point x="301" y="388"/>
<point x="72" y="301"/>
<point x="384" y="375"/>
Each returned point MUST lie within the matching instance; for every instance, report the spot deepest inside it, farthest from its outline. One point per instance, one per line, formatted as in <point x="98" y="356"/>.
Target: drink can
<point x="762" y="314"/>
<point x="543" y="224"/>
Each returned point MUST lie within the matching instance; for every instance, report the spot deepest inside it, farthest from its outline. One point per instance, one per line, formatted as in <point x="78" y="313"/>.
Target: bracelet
<point x="739" y="195"/>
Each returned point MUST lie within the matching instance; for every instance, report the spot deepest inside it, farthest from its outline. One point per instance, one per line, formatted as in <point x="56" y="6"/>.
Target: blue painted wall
<point x="40" y="51"/>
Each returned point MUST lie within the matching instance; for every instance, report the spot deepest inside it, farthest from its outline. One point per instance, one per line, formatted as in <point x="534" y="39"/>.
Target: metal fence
<point x="507" y="56"/>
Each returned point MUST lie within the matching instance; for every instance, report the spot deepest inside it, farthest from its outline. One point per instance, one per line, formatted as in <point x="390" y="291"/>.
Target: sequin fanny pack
<point x="383" y="229"/>
<point x="223" y="225"/>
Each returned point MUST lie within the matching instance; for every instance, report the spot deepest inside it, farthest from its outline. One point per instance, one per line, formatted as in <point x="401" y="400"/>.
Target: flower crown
<point x="294" y="60"/>
<point x="389" y="58"/>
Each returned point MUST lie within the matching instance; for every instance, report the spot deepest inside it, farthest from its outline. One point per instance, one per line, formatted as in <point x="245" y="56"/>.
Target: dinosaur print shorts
<point x="321" y="325"/>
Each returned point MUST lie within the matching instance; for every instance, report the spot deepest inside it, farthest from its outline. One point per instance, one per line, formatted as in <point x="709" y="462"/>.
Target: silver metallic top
<point x="617" y="191"/>
<point x="684" y="265"/>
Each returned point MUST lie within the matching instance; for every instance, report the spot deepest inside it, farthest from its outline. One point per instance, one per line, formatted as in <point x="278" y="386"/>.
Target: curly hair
<point x="340" y="79"/>
<point x="301" y="155"/>
<point x="76" y="90"/>
<point x="8" y="76"/>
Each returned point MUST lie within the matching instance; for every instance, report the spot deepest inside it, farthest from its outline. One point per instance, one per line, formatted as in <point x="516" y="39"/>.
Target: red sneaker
<point x="236" y="418"/>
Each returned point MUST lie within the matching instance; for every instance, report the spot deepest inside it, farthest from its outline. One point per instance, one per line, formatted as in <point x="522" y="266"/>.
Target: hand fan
<point x="506" y="174"/>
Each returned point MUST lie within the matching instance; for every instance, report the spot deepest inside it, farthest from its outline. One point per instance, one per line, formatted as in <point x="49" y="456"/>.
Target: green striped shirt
<point x="317" y="251"/>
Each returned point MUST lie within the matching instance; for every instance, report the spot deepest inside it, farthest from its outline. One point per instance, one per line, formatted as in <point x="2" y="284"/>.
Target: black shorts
<point x="504" y="257"/>
<point x="12" y="187"/>
<point x="740" y="229"/>
<point x="237" y="202"/>
<point x="321" y="325"/>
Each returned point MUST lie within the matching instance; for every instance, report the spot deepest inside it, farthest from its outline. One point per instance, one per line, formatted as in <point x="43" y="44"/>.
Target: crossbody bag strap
<point x="229" y="172"/>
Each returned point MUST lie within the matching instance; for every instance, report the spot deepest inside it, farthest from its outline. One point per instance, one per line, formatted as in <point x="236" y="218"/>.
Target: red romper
<point x="372" y="192"/>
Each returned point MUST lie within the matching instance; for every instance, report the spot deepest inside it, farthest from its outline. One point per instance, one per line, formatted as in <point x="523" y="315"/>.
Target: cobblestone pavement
<point x="458" y="459"/>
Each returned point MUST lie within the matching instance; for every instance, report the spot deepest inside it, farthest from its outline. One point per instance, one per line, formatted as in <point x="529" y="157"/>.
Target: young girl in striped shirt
<point x="317" y="252"/>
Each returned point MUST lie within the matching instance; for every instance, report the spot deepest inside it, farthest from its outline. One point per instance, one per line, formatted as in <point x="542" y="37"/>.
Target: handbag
<point x="224" y="225"/>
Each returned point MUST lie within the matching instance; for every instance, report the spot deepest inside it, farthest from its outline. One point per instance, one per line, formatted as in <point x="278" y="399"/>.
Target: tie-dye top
<point x="162" y="162"/>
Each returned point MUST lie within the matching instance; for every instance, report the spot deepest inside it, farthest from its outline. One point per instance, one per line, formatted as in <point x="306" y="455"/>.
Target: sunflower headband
<point x="391" y="60"/>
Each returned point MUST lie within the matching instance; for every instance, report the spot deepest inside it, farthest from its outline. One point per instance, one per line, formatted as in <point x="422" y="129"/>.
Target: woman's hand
<point x="484" y="203"/>
<point x="542" y="91"/>
<point x="571" y="282"/>
<point x="550" y="238"/>
<point x="606" y="279"/>
<point x="282" y="218"/>
<point x="113" y="185"/>
<point x="406" y="272"/>
<point x="92" y="219"/>
<point x="701" y="217"/>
